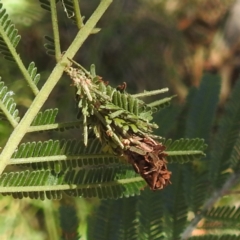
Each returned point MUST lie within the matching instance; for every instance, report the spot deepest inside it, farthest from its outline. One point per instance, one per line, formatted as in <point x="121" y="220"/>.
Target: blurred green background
<point x="149" y="44"/>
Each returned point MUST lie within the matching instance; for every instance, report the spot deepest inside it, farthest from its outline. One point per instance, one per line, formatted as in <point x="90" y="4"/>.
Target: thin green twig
<point x="78" y="15"/>
<point x="55" y="30"/>
<point x="18" y="60"/>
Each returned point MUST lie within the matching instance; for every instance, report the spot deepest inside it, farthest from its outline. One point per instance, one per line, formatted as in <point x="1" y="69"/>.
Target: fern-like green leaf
<point x="176" y="206"/>
<point x="225" y="139"/>
<point x="62" y="155"/>
<point x="32" y="70"/>
<point x="234" y="159"/>
<point x="127" y="102"/>
<point x="150" y="215"/>
<point x="160" y="104"/>
<point x="45" y="4"/>
<point x="202" y="104"/>
<point x="194" y="184"/>
<point x="8" y="105"/>
<point x="184" y="150"/>
<point x="224" y="214"/>
<point x="114" y="219"/>
<point x="46" y="117"/>
<point x="133" y="104"/>
<point x="66" y="4"/>
<point x="69" y="222"/>
<point x="164" y="119"/>
<point x="203" y="108"/>
<point x="222" y="220"/>
<point x="50" y="46"/>
<point x="69" y="153"/>
<point x="102" y="182"/>
<point x="9" y="37"/>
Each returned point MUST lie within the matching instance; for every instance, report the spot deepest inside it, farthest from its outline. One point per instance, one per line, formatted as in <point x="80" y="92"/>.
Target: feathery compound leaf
<point x="114" y="219"/>
<point x="50" y="46"/>
<point x="226" y="138"/>
<point x="234" y="159"/>
<point x="8" y="105"/>
<point x="203" y="108"/>
<point x="122" y="100"/>
<point x="63" y="147"/>
<point x="165" y="119"/>
<point x="32" y="70"/>
<point x="105" y="182"/>
<point x="150" y="215"/>
<point x="66" y="4"/>
<point x="46" y="117"/>
<point x="69" y="222"/>
<point x="224" y="214"/>
<point x="73" y="12"/>
<point x="9" y="37"/>
<point x="32" y="179"/>
<point x="145" y="217"/>
<point x="184" y="150"/>
<point x="60" y="155"/>
<point x="194" y="184"/>
<point x="45" y="4"/>
<point x="176" y="206"/>
<point x="101" y="182"/>
<point x="160" y="104"/>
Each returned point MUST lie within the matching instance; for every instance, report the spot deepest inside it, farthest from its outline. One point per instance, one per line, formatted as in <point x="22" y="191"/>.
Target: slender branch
<point x="54" y="77"/>
<point x="55" y="30"/>
<point x="233" y="179"/>
<point x="18" y="60"/>
<point x="86" y="30"/>
<point x="78" y="15"/>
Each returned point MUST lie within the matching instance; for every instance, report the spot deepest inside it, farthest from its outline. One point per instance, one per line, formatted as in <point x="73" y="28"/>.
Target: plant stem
<point x="85" y="30"/>
<point x="55" y="30"/>
<point x="54" y="77"/>
<point x="209" y="204"/>
<point x="77" y="11"/>
<point x="18" y="61"/>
